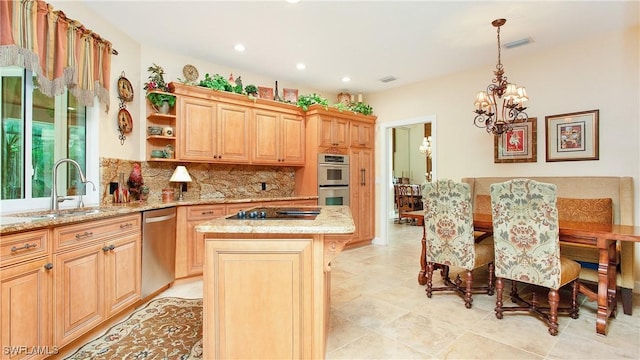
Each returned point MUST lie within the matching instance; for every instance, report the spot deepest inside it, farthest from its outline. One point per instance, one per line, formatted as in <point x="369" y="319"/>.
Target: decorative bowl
<point x="158" y="154"/>
<point x="154" y="130"/>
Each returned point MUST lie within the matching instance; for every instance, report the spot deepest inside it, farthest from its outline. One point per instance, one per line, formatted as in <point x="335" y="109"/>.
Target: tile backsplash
<point x="209" y="181"/>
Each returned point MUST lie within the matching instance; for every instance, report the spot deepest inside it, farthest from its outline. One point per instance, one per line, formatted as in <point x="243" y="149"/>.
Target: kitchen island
<point x="267" y="284"/>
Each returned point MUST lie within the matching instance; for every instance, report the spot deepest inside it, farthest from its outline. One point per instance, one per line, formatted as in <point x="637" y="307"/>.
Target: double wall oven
<point x="333" y="179"/>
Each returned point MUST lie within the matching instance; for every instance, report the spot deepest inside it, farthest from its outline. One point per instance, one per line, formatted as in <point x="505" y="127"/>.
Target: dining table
<point x="601" y="236"/>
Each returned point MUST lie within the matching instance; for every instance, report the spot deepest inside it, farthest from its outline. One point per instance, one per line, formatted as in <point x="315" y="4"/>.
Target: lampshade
<point x="180" y="175"/>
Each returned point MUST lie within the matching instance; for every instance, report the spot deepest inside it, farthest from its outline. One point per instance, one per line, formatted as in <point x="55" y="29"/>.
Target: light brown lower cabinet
<point x="25" y="293"/>
<point x="190" y="251"/>
<point x="280" y="314"/>
<point x="96" y="277"/>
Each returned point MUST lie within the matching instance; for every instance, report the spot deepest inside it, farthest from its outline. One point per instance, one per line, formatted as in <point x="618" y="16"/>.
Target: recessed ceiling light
<point x="293" y="1"/>
<point x="301" y="66"/>
<point x="239" y="47"/>
<point x="346" y="79"/>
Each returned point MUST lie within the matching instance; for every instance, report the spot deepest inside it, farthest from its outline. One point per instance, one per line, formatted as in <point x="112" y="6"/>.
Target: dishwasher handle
<point x="159" y="218"/>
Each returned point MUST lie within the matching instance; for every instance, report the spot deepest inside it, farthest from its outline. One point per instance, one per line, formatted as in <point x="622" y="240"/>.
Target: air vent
<point x="517" y="43"/>
<point x="389" y="78"/>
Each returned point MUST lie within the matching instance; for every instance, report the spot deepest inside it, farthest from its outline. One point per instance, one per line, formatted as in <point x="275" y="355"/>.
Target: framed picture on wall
<point x="572" y="136"/>
<point x="518" y="145"/>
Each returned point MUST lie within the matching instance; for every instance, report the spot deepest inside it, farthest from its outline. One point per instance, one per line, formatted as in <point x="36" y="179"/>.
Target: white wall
<point x="599" y="73"/>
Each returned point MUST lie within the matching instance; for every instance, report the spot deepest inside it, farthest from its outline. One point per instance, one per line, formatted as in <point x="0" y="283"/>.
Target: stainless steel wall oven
<point x="333" y="179"/>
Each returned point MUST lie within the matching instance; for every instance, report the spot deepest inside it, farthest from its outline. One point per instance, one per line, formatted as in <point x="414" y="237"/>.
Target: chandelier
<point x="513" y="99"/>
<point x="425" y="147"/>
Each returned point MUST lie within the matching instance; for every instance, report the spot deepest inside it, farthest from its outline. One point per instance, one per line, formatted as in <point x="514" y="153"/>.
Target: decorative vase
<point x="276" y="97"/>
<point x="164" y="108"/>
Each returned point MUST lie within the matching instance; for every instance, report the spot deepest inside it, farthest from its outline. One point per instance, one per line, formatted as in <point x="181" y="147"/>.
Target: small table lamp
<point x="180" y="175"/>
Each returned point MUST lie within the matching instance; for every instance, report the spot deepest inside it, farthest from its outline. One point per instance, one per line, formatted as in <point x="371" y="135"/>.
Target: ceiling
<point x="365" y="40"/>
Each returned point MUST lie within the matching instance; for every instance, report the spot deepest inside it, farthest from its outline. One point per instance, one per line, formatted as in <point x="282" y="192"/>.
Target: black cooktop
<point x="277" y="213"/>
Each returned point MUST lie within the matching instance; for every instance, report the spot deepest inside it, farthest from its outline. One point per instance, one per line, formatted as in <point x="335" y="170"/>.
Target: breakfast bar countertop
<point x="331" y="220"/>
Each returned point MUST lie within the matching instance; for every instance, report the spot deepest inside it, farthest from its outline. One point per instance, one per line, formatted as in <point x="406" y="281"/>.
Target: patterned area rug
<point x="166" y="328"/>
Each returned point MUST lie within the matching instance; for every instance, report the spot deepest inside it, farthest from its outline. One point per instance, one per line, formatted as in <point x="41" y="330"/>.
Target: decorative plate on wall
<point x="125" y="122"/>
<point x="125" y="90"/>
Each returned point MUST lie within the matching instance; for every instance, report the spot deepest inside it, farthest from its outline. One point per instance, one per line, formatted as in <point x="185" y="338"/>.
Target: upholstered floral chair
<point x="527" y="249"/>
<point x="448" y="222"/>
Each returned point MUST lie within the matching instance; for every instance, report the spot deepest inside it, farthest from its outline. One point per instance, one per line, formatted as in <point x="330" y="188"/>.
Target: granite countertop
<point x="331" y="220"/>
<point x="24" y="221"/>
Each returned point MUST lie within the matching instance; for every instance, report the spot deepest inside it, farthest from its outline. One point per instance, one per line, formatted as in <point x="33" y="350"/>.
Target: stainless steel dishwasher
<point x="158" y="249"/>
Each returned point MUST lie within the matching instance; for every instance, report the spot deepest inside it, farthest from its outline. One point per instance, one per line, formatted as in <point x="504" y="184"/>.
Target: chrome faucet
<point x="55" y="199"/>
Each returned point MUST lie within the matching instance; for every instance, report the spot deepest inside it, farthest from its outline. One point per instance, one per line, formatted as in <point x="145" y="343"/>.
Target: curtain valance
<point x="60" y="51"/>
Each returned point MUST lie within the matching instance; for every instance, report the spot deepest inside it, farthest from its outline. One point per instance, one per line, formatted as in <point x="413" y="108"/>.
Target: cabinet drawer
<point x="82" y="233"/>
<point x="23" y="246"/>
<point x="205" y="212"/>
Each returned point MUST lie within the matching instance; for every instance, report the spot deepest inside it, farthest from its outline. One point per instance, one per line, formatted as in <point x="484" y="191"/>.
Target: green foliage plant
<point x="361" y="108"/>
<point x="156" y="85"/>
<point x="158" y="98"/>
<point x="251" y="90"/>
<point x="304" y="101"/>
<point x="156" y="79"/>
<point x="216" y="82"/>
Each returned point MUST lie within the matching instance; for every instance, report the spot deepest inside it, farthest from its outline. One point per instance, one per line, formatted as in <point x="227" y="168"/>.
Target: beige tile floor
<point x="379" y="311"/>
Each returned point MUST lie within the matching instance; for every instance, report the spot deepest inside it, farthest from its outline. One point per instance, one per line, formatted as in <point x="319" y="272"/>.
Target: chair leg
<point x="627" y="295"/>
<point x="492" y="279"/>
<point x="514" y="291"/>
<point x="575" y="285"/>
<point x="429" y="289"/>
<point x="499" y="290"/>
<point x="554" y="301"/>
<point x="467" y="294"/>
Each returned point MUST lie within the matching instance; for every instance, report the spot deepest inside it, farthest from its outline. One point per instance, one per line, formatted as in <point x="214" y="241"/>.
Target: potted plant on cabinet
<point x="157" y="90"/>
<point x="251" y="90"/>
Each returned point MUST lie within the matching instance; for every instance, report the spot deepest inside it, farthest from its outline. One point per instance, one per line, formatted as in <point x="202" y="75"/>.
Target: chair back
<point x="448" y="223"/>
<point x="525" y="232"/>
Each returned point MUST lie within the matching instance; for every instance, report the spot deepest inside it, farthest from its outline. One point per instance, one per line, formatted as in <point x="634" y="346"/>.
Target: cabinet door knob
<point x="48" y="266"/>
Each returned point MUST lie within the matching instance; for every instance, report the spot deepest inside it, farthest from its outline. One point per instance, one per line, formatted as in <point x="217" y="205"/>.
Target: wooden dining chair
<point x="448" y="222"/>
<point x="527" y="249"/>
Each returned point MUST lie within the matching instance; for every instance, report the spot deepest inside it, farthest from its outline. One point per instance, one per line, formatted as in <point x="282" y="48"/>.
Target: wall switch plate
<point x="113" y="186"/>
<point x="264" y="186"/>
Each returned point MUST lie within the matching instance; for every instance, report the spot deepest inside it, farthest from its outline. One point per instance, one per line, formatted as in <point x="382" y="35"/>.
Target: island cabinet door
<point x="258" y="299"/>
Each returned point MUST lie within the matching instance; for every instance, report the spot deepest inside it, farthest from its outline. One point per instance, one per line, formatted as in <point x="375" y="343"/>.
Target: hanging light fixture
<point x="513" y="100"/>
<point x="425" y="149"/>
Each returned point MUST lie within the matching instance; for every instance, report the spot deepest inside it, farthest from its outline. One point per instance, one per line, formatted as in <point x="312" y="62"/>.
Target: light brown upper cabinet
<point x="278" y="138"/>
<point x="212" y="132"/>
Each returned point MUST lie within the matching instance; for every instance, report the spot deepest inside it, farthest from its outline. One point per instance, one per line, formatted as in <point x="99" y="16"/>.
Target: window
<point x="36" y="131"/>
